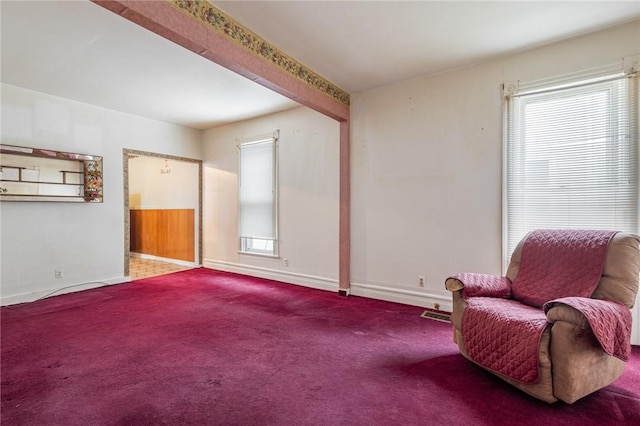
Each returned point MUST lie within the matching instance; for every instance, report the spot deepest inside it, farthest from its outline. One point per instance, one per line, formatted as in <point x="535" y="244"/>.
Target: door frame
<point x="126" y="154"/>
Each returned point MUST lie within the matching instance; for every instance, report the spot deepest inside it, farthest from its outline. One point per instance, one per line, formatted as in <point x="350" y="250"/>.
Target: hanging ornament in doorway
<point x="166" y="169"/>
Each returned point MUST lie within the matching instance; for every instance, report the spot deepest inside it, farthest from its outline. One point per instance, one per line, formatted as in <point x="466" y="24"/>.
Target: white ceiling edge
<point x="78" y="50"/>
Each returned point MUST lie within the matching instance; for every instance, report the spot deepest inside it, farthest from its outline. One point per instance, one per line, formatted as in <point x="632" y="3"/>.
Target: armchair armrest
<point x="561" y="312"/>
<point x="609" y="321"/>
<point x="473" y="285"/>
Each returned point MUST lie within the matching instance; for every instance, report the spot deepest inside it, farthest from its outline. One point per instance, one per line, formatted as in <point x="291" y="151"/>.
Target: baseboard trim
<point x="164" y="259"/>
<point x="72" y="288"/>
<point x="389" y="294"/>
<point x="406" y="297"/>
<point x="305" y="280"/>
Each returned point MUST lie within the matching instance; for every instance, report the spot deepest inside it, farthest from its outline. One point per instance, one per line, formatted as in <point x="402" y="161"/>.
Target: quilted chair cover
<point x="557" y="326"/>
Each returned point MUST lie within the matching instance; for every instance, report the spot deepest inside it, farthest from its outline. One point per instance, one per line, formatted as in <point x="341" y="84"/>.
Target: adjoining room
<point x="164" y="214"/>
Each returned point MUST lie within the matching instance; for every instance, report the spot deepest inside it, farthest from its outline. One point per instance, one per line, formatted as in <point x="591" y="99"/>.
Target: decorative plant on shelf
<point x="92" y="181"/>
<point x="3" y="190"/>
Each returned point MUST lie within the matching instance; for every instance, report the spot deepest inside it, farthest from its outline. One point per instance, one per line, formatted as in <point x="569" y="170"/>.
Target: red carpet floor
<point x="211" y="348"/>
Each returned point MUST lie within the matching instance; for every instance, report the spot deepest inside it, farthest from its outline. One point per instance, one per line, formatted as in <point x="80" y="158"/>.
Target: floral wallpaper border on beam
<point x="213" y="18"/>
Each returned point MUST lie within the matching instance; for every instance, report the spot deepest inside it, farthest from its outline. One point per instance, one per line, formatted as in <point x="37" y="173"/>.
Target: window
<point x="572" y="159"/>
<point x="258" y="195"/>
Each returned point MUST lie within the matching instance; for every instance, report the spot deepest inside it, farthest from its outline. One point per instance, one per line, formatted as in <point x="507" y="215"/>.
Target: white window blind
<point x="258" y="195"/>
<point x="572" y="159"/>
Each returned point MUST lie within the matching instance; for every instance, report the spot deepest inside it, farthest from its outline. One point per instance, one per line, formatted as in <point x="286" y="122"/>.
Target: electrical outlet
<point x="420" y="281"/>
<point x="58" y="273"/>
<point x="285" y="262"/>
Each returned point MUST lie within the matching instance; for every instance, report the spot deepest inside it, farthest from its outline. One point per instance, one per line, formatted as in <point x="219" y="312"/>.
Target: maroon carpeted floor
<point x="205" y="347"/>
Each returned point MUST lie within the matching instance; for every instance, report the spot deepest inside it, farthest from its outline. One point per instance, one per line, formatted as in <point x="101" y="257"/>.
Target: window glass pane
<point x="257" y="245"/>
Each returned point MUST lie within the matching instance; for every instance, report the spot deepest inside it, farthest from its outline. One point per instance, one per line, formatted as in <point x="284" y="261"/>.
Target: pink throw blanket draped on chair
<point x="609" y="321"/>
<point x="554" y="264"/>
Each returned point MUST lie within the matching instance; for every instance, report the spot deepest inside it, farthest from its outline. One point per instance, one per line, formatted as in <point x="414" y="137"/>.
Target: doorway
<point x="163" y="213"/>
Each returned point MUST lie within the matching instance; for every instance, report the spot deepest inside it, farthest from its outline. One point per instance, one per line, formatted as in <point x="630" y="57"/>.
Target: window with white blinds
<point x="258" y="196"/>
<point x="572" y="159"/>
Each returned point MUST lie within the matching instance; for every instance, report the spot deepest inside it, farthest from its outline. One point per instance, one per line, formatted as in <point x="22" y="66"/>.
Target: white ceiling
<point x="80" y="51"/>
<point x="360" y="45"/>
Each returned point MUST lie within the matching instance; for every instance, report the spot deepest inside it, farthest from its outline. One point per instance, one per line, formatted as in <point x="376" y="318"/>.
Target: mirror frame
<point x="92" y="175"/>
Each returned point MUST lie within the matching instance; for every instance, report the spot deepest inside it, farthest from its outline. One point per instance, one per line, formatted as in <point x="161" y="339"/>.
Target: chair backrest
<point x="621" y="274"/>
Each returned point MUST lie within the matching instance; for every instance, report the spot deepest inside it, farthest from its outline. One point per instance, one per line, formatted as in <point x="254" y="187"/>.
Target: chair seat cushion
<point x="504" y="336"/>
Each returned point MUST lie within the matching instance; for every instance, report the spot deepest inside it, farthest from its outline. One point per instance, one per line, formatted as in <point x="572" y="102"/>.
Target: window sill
<point x="250" y="253"/>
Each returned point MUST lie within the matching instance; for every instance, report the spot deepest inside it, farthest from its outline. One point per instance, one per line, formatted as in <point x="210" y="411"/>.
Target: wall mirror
<point x="32" y="174"/>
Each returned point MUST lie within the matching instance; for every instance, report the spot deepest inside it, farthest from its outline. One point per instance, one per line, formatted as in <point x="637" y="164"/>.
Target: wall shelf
<point x="31" y="174"/>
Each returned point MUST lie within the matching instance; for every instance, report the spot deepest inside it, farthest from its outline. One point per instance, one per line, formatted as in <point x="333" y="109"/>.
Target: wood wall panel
<point x="164" y="233"/>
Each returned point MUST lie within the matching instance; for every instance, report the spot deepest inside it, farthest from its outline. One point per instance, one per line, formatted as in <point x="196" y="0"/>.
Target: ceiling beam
<point x="205" y="30"/>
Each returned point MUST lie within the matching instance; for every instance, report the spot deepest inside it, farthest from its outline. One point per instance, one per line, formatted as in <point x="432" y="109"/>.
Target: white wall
<point x="149" y="188"/>
<point x="85" y="241"/>
<point x="427" y="168"/>
<point x="426" y="181"/>
<point x="308" y="199"/>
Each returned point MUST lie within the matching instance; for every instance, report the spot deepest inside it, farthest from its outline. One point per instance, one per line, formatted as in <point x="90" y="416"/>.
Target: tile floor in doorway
<point x="144" y="268"/>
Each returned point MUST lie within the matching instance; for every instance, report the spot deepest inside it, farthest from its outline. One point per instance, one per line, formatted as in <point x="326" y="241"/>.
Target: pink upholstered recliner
<point x="558" y="325"/>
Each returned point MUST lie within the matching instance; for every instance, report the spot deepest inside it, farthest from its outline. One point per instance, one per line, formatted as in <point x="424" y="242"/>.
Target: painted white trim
<point x="635" y="324"/>
<point x="407" y="297"/>
<point x="164" y="259"/>
<point x="72" y="288"/>
<point x="305" y="280"/>
<point x="504" y="256"/>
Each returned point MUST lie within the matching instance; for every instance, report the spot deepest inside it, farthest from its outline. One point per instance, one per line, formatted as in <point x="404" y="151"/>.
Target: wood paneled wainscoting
<point x="167" y="233"/>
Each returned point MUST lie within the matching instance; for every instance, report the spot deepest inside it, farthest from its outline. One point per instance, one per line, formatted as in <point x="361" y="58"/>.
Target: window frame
<point x="560" y="87"/>
<point x="248" y="245"/>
